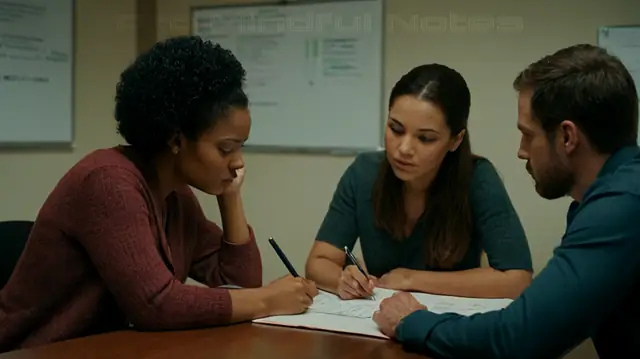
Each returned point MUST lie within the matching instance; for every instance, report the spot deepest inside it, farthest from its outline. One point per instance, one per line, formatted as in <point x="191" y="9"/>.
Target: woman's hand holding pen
<point x="289" y="295"/>
<point x="353" y="284"/>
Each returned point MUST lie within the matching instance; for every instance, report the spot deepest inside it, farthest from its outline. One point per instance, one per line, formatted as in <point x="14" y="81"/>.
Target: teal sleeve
<point x="340" y="227"/>
<point x="496" y="222"/>
<point x="585" y="280"/>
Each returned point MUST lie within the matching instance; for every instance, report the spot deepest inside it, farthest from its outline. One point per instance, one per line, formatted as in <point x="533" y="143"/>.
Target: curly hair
<point x="181" y="85"/>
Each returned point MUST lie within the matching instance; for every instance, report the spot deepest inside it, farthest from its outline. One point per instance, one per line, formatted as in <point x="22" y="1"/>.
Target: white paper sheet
<point x="329" y="303"/>
<point x="330" y="313"/>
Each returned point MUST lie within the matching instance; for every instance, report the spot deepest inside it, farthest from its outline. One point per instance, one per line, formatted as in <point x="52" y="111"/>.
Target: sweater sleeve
<point x="217" y="262"/>
<point x="586" y="279"/>
<point x="112" y="223"/>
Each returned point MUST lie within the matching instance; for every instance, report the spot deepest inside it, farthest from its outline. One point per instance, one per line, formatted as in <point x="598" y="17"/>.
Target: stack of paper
<point x="329" y="312"/>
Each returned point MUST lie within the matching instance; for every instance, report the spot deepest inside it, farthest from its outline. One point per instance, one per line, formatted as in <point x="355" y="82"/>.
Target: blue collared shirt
<point x="589" y="288"/>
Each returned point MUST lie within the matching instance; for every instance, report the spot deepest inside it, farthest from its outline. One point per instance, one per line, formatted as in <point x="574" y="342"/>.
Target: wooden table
<point x="233" y="342"/>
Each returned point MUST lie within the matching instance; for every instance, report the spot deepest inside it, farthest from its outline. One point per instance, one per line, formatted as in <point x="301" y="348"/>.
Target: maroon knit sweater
<point x="100" y="257"/>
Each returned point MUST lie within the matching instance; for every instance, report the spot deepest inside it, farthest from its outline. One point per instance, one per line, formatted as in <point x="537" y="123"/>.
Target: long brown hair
<point x="448" y="212"/>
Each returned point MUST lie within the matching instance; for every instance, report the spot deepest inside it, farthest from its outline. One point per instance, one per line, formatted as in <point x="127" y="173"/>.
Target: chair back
<point x="13" y="238"/>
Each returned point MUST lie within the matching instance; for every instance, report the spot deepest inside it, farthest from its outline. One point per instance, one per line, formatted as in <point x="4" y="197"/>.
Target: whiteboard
<point x="623" y="42"/>
<point x="36" y="72"/>
<point x="314" y="71"/>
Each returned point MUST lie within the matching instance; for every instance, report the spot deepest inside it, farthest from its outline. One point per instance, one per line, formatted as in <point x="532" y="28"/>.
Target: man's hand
<point x="393" y="310"/>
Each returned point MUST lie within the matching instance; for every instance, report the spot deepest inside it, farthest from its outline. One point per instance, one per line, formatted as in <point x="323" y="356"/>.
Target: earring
<point x="176" y="150"/>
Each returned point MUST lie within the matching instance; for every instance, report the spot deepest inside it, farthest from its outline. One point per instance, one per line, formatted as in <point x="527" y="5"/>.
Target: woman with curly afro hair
<point x="116" y="239"/>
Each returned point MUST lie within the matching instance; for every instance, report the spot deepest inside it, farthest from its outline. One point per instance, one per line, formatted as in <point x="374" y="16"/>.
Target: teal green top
<point x="497" y="228"/>
<point x="589" y="288"/>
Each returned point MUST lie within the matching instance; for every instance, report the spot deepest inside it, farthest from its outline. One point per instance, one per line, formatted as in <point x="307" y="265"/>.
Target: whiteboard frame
<point x="600" y="28"/>
<point x="607" y="28"/>
<point x="334" y="151"/>
<point x="612" y="27"/>
<point x="55" y="145"/>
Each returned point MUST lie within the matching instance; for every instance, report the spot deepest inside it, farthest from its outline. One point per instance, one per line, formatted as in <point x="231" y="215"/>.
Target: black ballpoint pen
<point x="357" y="264"/>
<point x="283" y="258"/>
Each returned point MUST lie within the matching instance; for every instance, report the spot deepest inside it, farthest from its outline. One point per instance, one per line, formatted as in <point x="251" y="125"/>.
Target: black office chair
<point x="13" y="237"/>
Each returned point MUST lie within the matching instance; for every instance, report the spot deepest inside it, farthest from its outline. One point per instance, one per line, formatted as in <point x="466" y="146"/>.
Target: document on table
<point x="329" y="303"/>
<point x="329" y="312"/>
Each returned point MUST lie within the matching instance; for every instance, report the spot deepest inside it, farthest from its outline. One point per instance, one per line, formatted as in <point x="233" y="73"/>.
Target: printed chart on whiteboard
<point x="36" y="72"/>
<point x="314" y="70"/>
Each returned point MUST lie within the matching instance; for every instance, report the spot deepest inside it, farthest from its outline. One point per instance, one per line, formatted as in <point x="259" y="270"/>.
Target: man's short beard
<point x="555" y="181"/>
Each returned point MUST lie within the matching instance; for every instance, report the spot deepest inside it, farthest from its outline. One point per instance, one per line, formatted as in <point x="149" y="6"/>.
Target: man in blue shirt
<point x="578" y="115"/>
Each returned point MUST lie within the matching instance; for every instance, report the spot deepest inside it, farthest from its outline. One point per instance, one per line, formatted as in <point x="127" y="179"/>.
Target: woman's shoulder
<point x="484" y="170"/>
<point x="362" y="172"/>
<point x="486" y="182"/>
<point x="100" y="168"/>
<point x="366" y="164"/>
<point x="102" y="181"/>
<point x="358" y="179"/>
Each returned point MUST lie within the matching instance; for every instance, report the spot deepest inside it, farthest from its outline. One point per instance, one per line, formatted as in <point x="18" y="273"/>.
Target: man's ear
<point x="175" y="143"/>
<point x="569" y="135"/>
<point x="455" y="143"/>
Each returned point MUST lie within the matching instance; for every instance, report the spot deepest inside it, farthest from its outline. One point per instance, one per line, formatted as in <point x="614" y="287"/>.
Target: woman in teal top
<point x="425" y="208"/>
